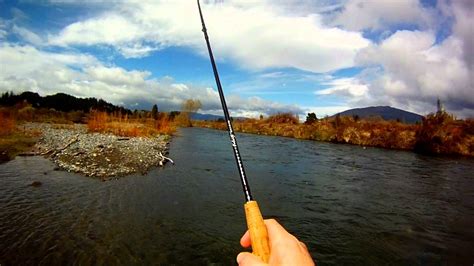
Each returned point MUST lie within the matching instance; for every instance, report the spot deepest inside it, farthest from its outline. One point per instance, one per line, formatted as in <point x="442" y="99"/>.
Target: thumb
<point x="249" y="259"/>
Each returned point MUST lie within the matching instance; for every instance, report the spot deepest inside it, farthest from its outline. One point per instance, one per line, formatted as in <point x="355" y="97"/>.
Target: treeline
<point x="61" y="102"/>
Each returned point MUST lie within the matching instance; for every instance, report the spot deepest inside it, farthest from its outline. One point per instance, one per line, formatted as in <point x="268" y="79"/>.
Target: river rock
<point x="105" y="156"/>
<point x="36" y="184"/>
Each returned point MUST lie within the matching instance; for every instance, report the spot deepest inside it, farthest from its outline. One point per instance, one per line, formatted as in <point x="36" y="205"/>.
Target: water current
<point x="350" y="205"/>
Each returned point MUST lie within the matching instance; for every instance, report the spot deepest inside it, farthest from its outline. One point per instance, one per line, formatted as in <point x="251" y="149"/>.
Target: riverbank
<point x="14" y="144"/>
<point x="439" y="133"/>
<point x="72" y="148"/>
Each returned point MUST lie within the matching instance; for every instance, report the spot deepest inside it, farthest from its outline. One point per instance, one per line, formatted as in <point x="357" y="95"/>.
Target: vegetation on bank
<point x="98" y="115"/>
<point x="130" y="126"/>
<point x="439" y="133"/>
<point x="12" y="139"/>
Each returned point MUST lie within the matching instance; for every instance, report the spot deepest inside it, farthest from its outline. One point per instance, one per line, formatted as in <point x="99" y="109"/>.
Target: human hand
<point x="285" y="249"/>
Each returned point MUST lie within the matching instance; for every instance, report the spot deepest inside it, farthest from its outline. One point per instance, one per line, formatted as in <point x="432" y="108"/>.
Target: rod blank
<point x="233" y="139"/>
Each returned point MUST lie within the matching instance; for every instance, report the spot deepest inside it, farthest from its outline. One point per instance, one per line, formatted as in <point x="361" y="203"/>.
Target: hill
<point x="210" y="117"/>
<point x="385" y="112"/>
<point x="60" y="102"/>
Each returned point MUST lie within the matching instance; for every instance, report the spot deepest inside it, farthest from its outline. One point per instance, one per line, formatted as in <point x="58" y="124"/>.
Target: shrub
<point x="283" y="118"/>
<point x="122" y="125"/>
<point x="7" y="122"/>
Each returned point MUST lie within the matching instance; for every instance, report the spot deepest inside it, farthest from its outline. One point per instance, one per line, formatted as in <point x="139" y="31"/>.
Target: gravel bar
<point x="104" y="156"/>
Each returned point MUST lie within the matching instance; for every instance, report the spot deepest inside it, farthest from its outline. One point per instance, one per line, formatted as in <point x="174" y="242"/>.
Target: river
<point x="350" y="205"/>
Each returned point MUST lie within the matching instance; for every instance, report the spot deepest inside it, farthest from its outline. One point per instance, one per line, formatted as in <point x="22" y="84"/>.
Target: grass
<point x="123" y="125"/>
<point x="14" y="144"/>
<point x="7" y="122"/>
<point x="12" y="140"/>
<point x="441" y="133"/>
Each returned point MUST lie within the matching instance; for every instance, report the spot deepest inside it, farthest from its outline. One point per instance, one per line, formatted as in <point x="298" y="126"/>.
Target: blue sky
<point x="273" y="56"/>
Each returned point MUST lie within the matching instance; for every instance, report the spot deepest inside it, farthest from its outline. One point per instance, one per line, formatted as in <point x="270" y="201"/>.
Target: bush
<point x="122" y="125"/>
<point x="7" y="122"/>
<point x="283" y="118"/>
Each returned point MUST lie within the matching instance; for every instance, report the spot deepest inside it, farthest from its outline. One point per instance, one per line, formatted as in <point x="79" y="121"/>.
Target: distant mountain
<point x="209" y="117"/>
<point x="386" y="112"/>
<point x="199" y="116"/>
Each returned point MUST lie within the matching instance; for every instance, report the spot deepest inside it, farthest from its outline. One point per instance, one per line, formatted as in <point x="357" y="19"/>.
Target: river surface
<point x="350" y="205"/>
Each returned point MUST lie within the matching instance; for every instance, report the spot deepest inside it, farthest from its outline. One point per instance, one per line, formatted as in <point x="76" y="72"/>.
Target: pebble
<point x="96" y="154"/>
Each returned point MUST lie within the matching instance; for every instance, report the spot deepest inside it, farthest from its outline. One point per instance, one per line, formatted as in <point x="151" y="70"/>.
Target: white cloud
<point x="345" y="87"/>
<point x="27" y="68"/>
<point x="376" y="15"/>
<point x="254" y="36"/>
<point x="463" y="28"/>
<point x="117" y="76"/>
<point x="411" y="72"/>
<point x="322" y="111"/>
<point x="27" y="35"/>
<point x="108" y="29"/>
<point x="3" y="29"/>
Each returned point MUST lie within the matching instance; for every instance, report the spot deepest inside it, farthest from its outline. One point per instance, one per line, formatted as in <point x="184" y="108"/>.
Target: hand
<point x="285" y="249"/>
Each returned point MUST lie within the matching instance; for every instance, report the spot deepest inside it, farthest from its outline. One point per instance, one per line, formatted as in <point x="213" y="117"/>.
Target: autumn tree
<point x="189" y="106"/>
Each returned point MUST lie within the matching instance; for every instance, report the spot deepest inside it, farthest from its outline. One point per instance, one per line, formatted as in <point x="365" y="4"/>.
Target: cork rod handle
<point x="258" y="231"/>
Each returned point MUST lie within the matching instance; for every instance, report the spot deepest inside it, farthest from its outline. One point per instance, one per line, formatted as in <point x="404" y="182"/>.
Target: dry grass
<point x="440" y="135"/>
<point x="122" y="125"/>
<point x="7" y="122"/>
<point x="12" y="139"/>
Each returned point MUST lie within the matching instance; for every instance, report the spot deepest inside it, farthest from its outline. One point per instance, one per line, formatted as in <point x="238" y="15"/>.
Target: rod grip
<point x="258" y="231"/>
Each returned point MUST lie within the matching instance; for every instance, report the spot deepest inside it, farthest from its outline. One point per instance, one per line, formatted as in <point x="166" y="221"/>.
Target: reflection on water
<point x="349" y="205"/>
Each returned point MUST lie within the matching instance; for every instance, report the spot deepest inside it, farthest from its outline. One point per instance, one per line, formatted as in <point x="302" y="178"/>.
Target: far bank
<point x="439" y="133"/>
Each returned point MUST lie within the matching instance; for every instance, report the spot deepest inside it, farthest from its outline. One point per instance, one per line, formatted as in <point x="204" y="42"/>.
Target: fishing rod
<point x="256" y="226"/>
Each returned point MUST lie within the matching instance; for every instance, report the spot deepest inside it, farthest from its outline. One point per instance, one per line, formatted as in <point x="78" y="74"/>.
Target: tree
<point x="188" y="106"/>
<point x="154" y="112"/>
<point x="311" y="118"/>
<point x="440" y="107"/>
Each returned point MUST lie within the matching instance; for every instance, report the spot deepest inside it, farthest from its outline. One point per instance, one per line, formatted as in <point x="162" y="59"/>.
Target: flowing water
<point x="350" y="205"/>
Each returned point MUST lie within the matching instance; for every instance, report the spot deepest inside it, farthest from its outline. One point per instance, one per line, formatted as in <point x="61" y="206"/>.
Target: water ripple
<point x="349" y="205"/>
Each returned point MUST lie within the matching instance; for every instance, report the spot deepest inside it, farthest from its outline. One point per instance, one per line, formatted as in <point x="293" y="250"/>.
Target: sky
<point x="273" y="56"/>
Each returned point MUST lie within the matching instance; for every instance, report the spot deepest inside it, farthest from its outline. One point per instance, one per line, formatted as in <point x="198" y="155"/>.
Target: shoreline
<point x="404" y="139"/>
<point x="105" y="156"/>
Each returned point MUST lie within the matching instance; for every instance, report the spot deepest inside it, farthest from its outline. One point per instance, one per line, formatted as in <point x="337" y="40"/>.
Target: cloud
<point x="345" y="87"/>
<point x="27" y="35"/>
<point x="410" y="70"/>
<point x="322" y="111"/>
<point x="377" y="15"/>
<point x="255" y="36"/>
<point x="463" y="28"/>
<point x="18" y="15"/>
<point x="85" y="76"/>
<point x="3" y="29"/>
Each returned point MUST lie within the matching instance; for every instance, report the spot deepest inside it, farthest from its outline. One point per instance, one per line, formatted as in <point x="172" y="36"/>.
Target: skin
<point x="285" y="248"/>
